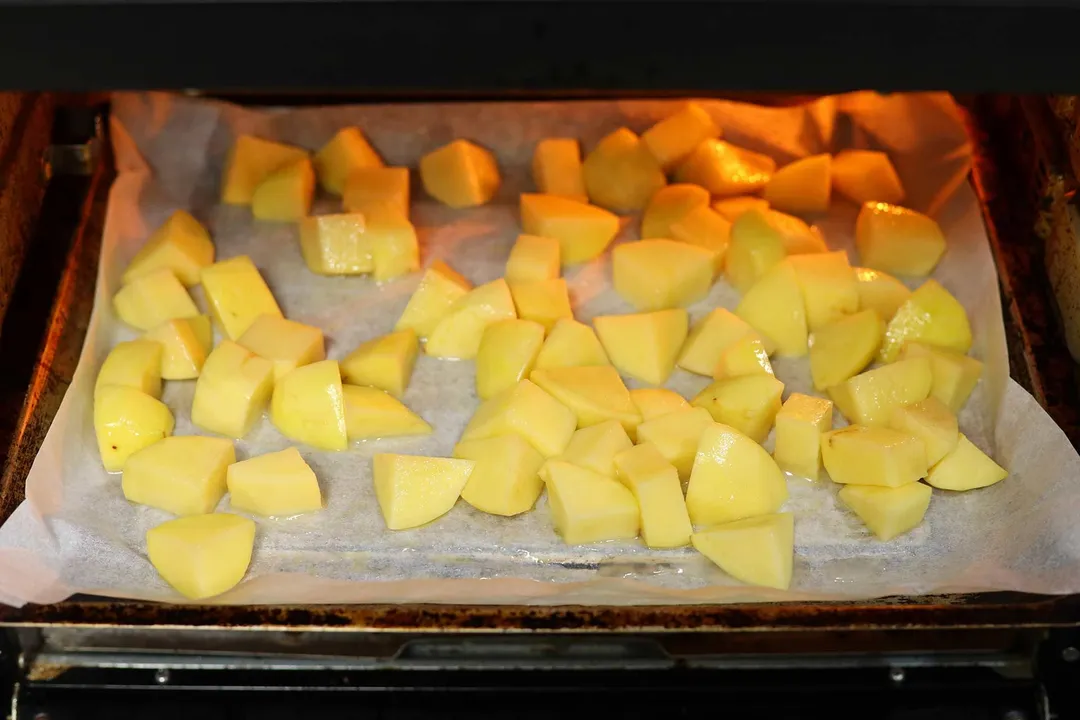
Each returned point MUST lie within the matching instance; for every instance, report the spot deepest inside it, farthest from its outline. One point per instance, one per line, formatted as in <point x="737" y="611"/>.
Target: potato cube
<point x="830" y="290"/>
<point x="528" y="411"/>
<point x="774" y="307"/>
<point x="710" y="337"/>
<point x="756" y="551"/>
<point x="184" y="349"/>
<point x="864" y="176"/>
<point x="181" y="244"/>
<point x="394" y="249"/>
<point x="460" y="174"/>
<point x="533" y="258"/>
<point x="880" y="292"/>
<point x="798" y="237"/>
<point x="440" y="287"/>
<point x="898" y="240"/>
<point x="556" y="168"/>
<point x="202" y="555"/>
<point x="620" y="172"/>
<point x="931" y="315"/>
<point x="859" y="455"/>
<point x="735" y="207"/>
<point x="384" y="362"/>
<point x="125" y="421"/>
<point x="888" y="512"/>
<point x="505" y="480"/>
<point x="644" y="345"/>
<point x="745" y="356"/>
<point x="802" y="187"/>
<point x="799" y="426"/>
<point x="571" y="344"/>
<point x="843" y="349"/>
<point x="595" y="394"/>
<point x="371" y="413"/>
<point x="673" y="139"/>
<point x="285" y="343"/>
<point x="346" y="153"/>
<point x="151" y="299"/>
<point x="668" y="205"/>
<point x="596" y="446"/>
<point x="733" y="478"/>
<point x="308" y="406"/>
<point x="367" y="187"/>
<point x="932" y="422"/>
<point x="507" y="352"/>
<point x="414" y="490"/>
<point x="285" y="194"/>
<point x="676" y="435"/>
<point x="232" y="391"/>
<point x="661" y="274"/>
<point x="587" y="507"/>
<point x="657" y="402"/>
<point x="705" y="228"/>
<point x="664" y="520"/>
<point x="182" y="475"/>
<point x="237" y="295"/>
<point x="748" y="403"/>
<point x="135" y="363"/>
<point x="542" y="301"/>
<point x="583" y="231"/>
<point x="965" y="468"/>
<point x="954" y="375"/>
<point x="458" y="333"/>
<point x="755" y="247"/>
<point x="277" y="484"/>
<point x="869" y="398"/>
<point x="336" y="244"/>
<point x="723" y="169"/>
<point x="250" y="161"/>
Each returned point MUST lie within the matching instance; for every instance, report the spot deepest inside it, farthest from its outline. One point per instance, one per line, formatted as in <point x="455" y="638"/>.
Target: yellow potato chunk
<point x="237" y="295"/>
<point x="802" y="187"/>
<point x="458" y="333"/>
<point x="151" y="299"/>
<point x="932" y="316"/>
<point x="571" y="344"/>
<point x="414" y="490"/>
<point x="595" y="394"/>
<point x="308" y="406"/>
<point x="710" y="337"/>
<point x="756" y="247"/>
<point x="880" y="292"/>
<point x="394" y="249"/>
<point x="460" y="174"/>
<point x="954" y="375"/>
<point x="583" y="231"/>
<point x="664" y="520"/>
<point x="507" y="352"/>
<point x="748" y="403"/>
<point x="657" y="402"/>
<point x="384" y="362"/>
<point x="184" y="346"/>
<point x="707" y="229"/>
<point x="277" y="484"/>
<point x="347" y="152"/>
<point x="183" y="475"/>
<point x="371" y="413"/>
<point x="830" y="290"/>
<point x="556" y="168"/>
<point x="505" y="480"/>
<point x="932" y="422"/>
<point x="232" y="391"/>
<point x="285" y="343"/>
<point x="201" y="556"/>
<point x="125" y="421"/>
<point x="596" y="446"/>
<point x="898" y="240"/>
<point x="285" y="194"/>
<point x="799" y="426"/>
<point x="870" y="397"/>
<point x="527" y="411"/>
<point x="843" y="349"/>
<point x="369" y="187"/>
<point x="669" y="204"/>
<point x="336" y="244"/>
<point x="250" y="161"/>
<point x="587" y="507"/>
<point x="620" y="172"/>
<point x="673" y="139"/>
<point x="756" y="550"/>
<point x="439" y="289"/>
<point x="661" y="274"/>
<point x="723" y="169"/>
<point x="676" y="435"/>
<point x="866" y="176"/>
<point x="774" y="307"/>
<point x="888" y="512"/>
<point x="181" y="244"/>
<point x="644" y="345"/>
<point x="533" y="258"/>
<point x="542" y="301"/>
<point x="733" y="208"/>
<point x="798" y="237"/>
<point x="965" y="468"/>
<point x="745" y="356"/>
<point x="859" y="455"/>
<point x="136" y="364"/>
<point x="733" y="478"/>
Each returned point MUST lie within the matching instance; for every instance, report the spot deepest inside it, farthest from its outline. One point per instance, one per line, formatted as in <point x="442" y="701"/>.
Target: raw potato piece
<point x="898" y="240"/>
<point x="748" y="403"/>
<point x="533" y="258"/>
<point x="676" y="436"/>
<point x="542" y="301"/>
<point x="308" y="406"/>
<point x="799" y="426"/>
<point x="232" y="390"/>
<point x="866" y="176"/>
<point x="439" y="289"/>
<point x="705" y="228"/>
<point x="528" y="411"/>
<point x="583" y="231"/>
<point x="711" y="336"/>
<point x="507" y="352"/>
<point x="394" y="249"/>
<point x="673" y="139"/>
<point x="802" y="187"/>
<point x="458" y="333"/>
<point x="183" y="348"/>
<point x="657" y="402"/>
<point x="371" y="413"/>
<point x="125" y="421"/>
<point x="237" y="295"/>
<point x="596" y="446"/>
<point x="869" y="398"/>
<point x="668" y="205"/>
<point x="414" y="490"/>
<point x="182" y="475"/>
<point x="203" y="555"/>
<point x="595" y="394"/>
<point x="336" y="244"/>
<point x="556" y="168"/>
<point x="277" y="484"/>
<point x="384" y="362"/>
<point x="347" y="152"/>
<point x="843" y="349"/>
<point x="645" y="345"/>
<point x="746" y="356"/>
<point x="931" y="315"/>
<point x="250" y="161"/>
<point x="965" y="468"/>
<point x="888" y="512"/>
<point x="756" y="551"/>
<point x="460" y="174"/>
<point x="505" y="480"/>
<point x="621" y="174"/>
<point x="756" y="246"/>
<point x="181" y="244"/>
<point x="571" y="344"/>
<point x="723" y="169"/>
<point x="734" y="208"/>
<point x="930" y="421"/>
<point x="798" y="237"/>
<point x="285" y="343"/>
<point x="880" y="292"/>
<point x="151" y="299"/>
<point x="587" y="507"/>
<point x="285" y="195"/>
<point x="733" y="478"/>
<point x="830" y="290"/>
<point x="954" y="375"/>
<point x="135" y="363"/>
<point x="774" y="307"/>
<point x="858" y="455"/>
<point x="661" y="274"/>
<point x="373" y="186"/>
<point x="664" y="520"/>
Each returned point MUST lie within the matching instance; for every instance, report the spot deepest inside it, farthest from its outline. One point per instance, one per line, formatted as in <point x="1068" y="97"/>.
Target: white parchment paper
<point x="76" y="533"/>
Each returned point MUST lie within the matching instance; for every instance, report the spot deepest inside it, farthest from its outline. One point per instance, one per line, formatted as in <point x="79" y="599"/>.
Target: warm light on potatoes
<point x="285" y="195"/>
<point x="570" y="344"/>
<point x="336" y="244"/>
<point x="645" y="345"/>
<point x="843" y="349"/>
<point x="440" y="287"/>
<point x="932" y="316"/>
<point x="668" y="205"/>
<point x="557" y="170"/>
<point x="774" y="307"/>
<point x="802" y="187"/>
<point x="458" y="333"/>
<point x="830" y="290"/>
<point x="583" y="231"/>
<point x="507" y="353"/>
<point x="344" y="154"/>
<point x="866" y="176"/>
<point x="621" y="174"/>
<point x="373" y="186"/>
<point x="533" y="258"/>
<point x="755" y="247"/>
<point x="384" y="362"/>
<point x="250" y="161"/>
<point x="594" y="394"/>
<point x="710" y="337"/>
<point x="460" y="175"/>
<point x="673" y="139"/>
<point x="661" y="274"/>
<point x="724" y="169"/>
<point x="543" y="301"/>
<point x="898" y="240"/>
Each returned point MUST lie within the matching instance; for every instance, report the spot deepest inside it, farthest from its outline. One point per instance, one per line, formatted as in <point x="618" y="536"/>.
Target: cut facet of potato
<point x="965" y="468"/>
<point x="583" y="231"/>
<point x="596" y="446"/>
<point x="250" y="161"/>
<point x="414" y="490"/>
<point x="458" y="333"/>
<point x="151" y="299"/>
<point x="183" y="351"/>
<point x="930" y="421"/>
<point x="932" y="316"/>
<point x="843" y="349"/>
<point x="345" y="153"/>
<point x="371" y="413"/>
<point x="672" y="139"/>
<point x="440" y="287"/>
<point x="880" y="292"/>
<point x="669" y="204"/>
<point x="888" y="512"/>
<point x="756" y="551"/>
<point x="277" y="484"/>
<point x="505" y="479"/>
<point x="542" y="301"/>
<point x="661" y="274"/>
<point x="384" y="362"/>
<point x="202" y="555"/>
<point x="709" y="338"/>
<point x="748" y="403"/>
<point x="556" y="168"/>
<point x="237" y="295"/>
<point x="756" y="246"/>
<point x="135" y="363"/>
<point x="336" y="244"/>
<point x="394" y="249"/>
<point x="676" y="436"/>
<point x="595" y="394"/>
<point x="286" y="343"/>
<point x="705" y="228"/>
<point x="183" y="475"/>
<point x="733" y="478"/>
<point x="799" y="426"/>
<point x="367" y="187"/>
<point x="798" y="237"/>
<point x="955" y="375"/>
<point x="308" y="406"/>
<point x="657" y="402"/>
<point x="507" y="352"/>
<point x="528" y="411"/>
<point x="620" y="172"/>
<point x="866" y="176"/>
<point x="802" y="187"/>
<point x="533" y="258"/>
<point x="460" y="174"/>
<point x="870" y="397"/>
<point x="745" y="356"/>
<point x="830" y="290"/>
<point x="181" y="244"/>
<point x="285" y="194"/>
<point x="665" y="522"/>
<point x="571" y="344"/>
<point x="723" y="169"/>
<point x="774" y="307"/>
<point x="898" y="240"/>
<point x="125" y="421"/>
<point x="859" y="455"/>
<point x="733" y="208"/>
<point x="587" y="507"/>
<point x="232" y="390"/>
<point x="645" y="345"/>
